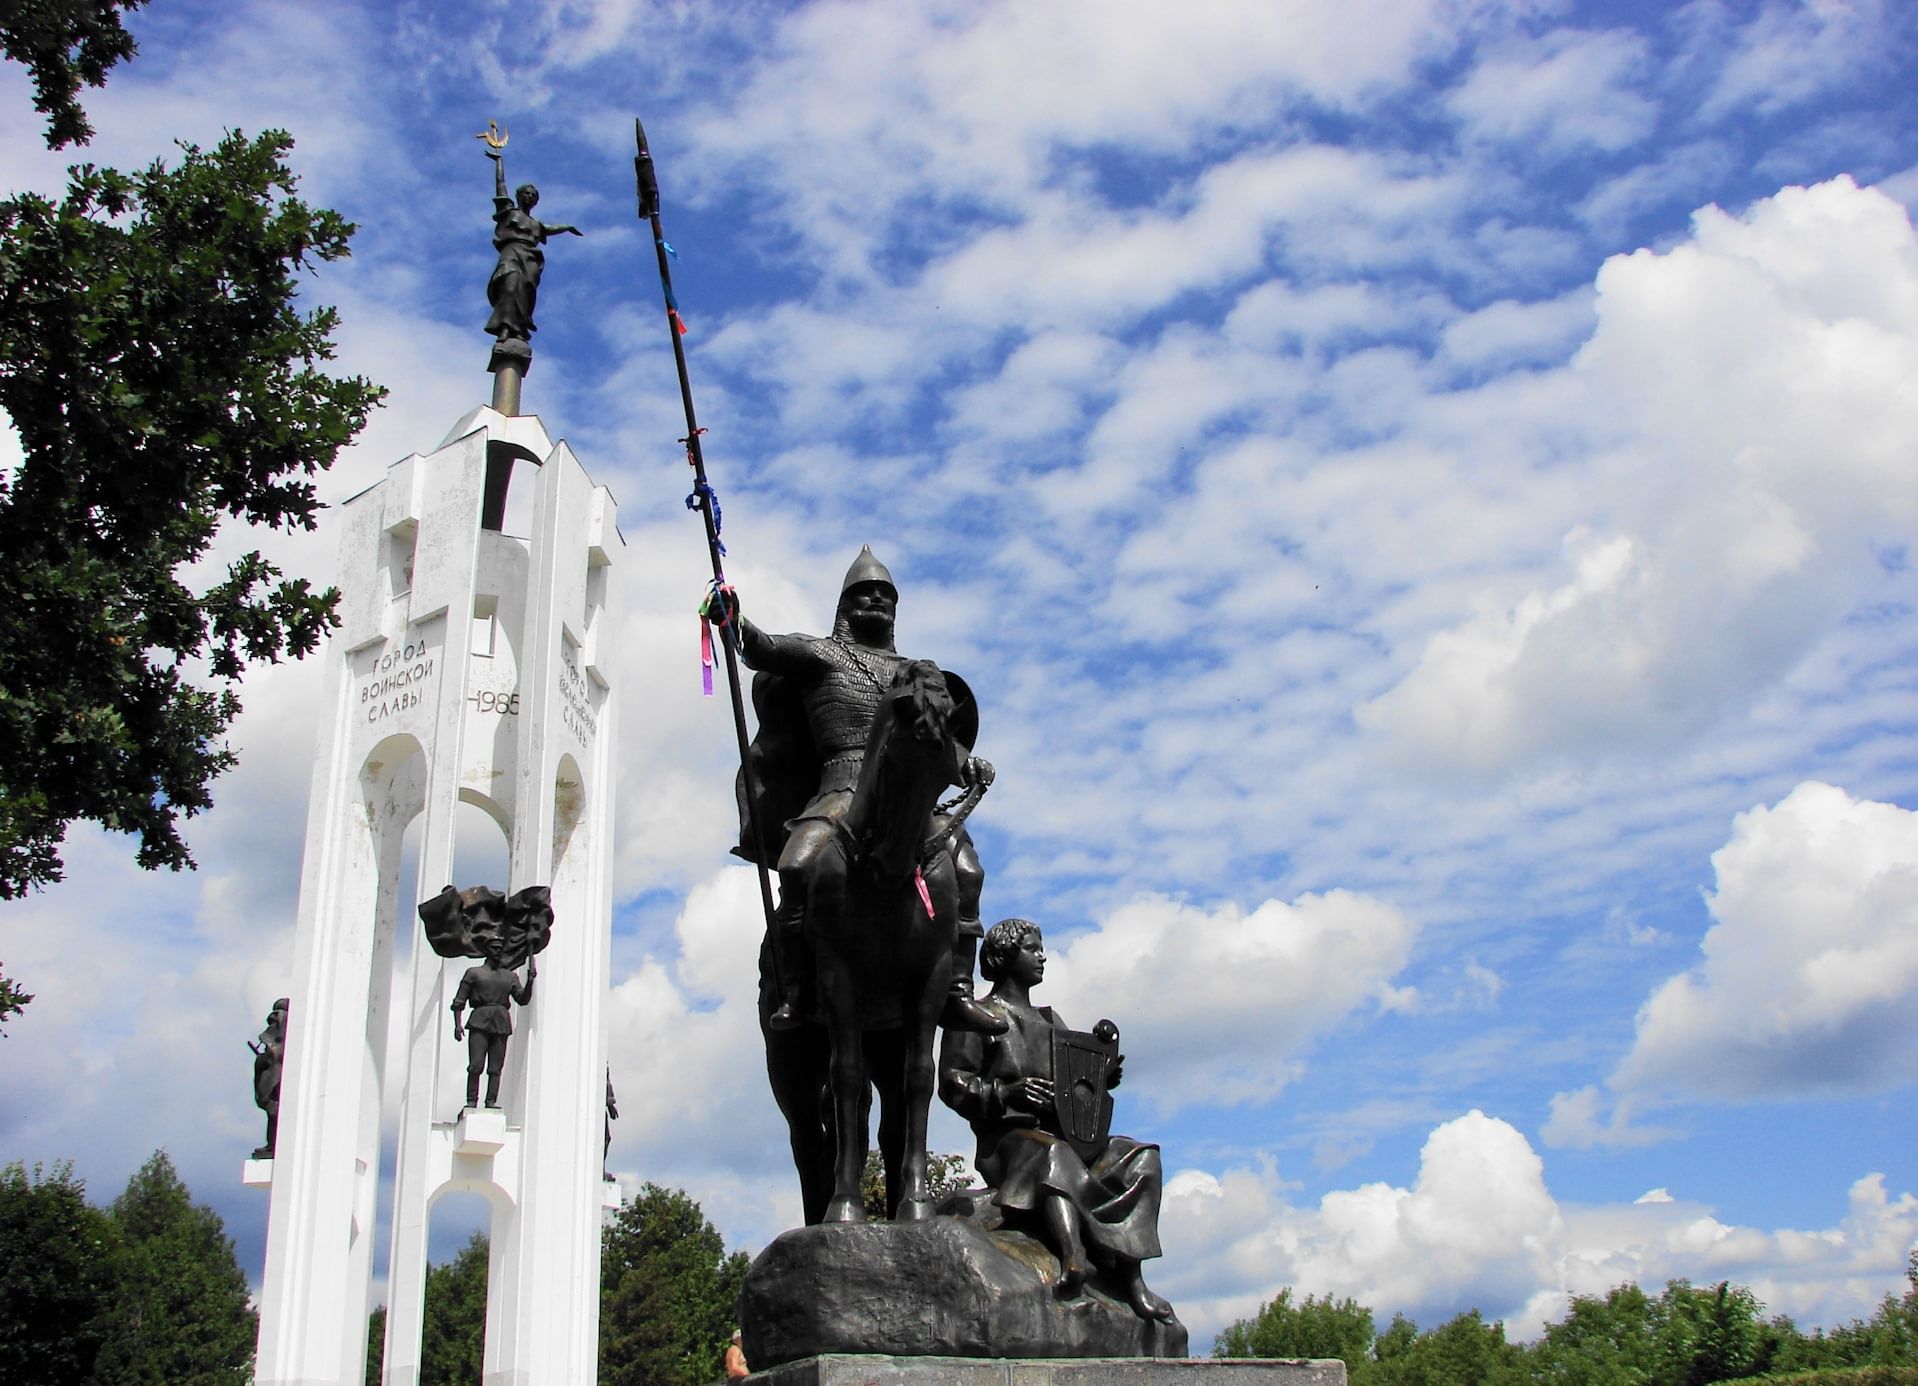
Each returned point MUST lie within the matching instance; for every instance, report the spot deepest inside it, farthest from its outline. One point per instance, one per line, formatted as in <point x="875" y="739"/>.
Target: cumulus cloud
<point x="1810" y="968"/>
<point x="1807" y="978"/>
<point x="1746" y="398"/>
<point x="1478" y="1227"/>
<point x="1220" y="1003"/>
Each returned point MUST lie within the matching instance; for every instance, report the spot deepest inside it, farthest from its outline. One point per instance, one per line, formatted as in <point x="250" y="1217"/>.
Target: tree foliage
<point x="946" y="1174"/>
<point x="56" y="1276"/>
<point x="453" y="1321"/>
<point x="453" y="1329"/>
<point x="1314" y="1327"/>
<point x="13" y="1000"/>
<point x="64" y="45"/>
<point x="669" y="1293"/>
<point x="179" y="1312"/>
<point x="162" y="380"/>
<point x="1684" y="1336"/>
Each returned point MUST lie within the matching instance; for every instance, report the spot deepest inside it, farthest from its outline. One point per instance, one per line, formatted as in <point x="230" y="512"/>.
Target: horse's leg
<point x="918" y="1074"/>
<point x="847" y="1080"/>
<point x="796" y="1070"/>
<point x="883" y="1062"/>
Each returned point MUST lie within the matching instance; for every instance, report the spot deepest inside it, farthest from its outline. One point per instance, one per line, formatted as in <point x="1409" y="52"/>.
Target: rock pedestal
<point x="946" y="1287"/>
<point x="1098" y="1371"/>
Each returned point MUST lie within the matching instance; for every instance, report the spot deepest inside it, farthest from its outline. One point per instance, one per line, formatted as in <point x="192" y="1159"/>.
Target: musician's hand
<point x="1030" y="1095"/>
<point x="979" y="772"/>
<point x="458" y="1033"/>
<point x="532" y="968"/>
<point x="1115" y="1073"/>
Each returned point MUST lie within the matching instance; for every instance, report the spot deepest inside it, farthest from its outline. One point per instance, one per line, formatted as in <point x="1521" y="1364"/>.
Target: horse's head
<point x="921" y="702"/>
<point x="911" y="757"/>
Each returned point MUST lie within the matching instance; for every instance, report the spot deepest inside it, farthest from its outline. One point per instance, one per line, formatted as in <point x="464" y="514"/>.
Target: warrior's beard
<point x="874" y="632"/>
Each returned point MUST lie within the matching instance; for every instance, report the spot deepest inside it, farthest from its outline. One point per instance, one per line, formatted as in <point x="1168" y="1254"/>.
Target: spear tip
<point x="645" y="180"/>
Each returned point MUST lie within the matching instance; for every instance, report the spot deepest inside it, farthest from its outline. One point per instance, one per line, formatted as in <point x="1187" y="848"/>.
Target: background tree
<point x="56" y="1274"/>
<point x="1312" y="1328"/>
<point x="946" y="1174"/>
<point x="1604" y="1341"/>
<point x="453" y="1329"/>
<point x="1464" y="1351"/>
<point x="453" y="1322"/>
<point x="1707" y="1335"/>
<point x="669" y="1293"/>
<point x="65" y="44"/>
<point x="12" y="1001"/>
<point x="179" y="1310"/>
<point x="161" y="380"/>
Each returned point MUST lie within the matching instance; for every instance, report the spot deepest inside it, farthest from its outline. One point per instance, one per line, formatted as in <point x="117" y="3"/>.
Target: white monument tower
<point x="468" y="668"/>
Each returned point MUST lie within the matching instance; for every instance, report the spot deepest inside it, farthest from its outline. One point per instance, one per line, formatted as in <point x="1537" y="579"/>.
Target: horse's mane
<point x="928" y="704"/>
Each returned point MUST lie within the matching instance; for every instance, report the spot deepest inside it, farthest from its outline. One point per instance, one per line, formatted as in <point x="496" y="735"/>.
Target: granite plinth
<point x="943" y="1288"/>
<point x="868" y="1370"/>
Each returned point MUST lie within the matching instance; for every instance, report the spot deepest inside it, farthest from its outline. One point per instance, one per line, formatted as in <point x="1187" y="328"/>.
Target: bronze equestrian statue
<point x="878" y="914"/>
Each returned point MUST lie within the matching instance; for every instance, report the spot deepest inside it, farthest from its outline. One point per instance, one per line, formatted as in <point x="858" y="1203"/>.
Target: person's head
<point x="1005" y="941"/>
<point x="527" y="196"/>
<point x="737" y="1337"/>
<point x="868" y="601"/>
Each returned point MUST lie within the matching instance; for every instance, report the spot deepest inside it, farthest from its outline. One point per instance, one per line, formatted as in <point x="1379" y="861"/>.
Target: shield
<point x="1080" y="1100"/>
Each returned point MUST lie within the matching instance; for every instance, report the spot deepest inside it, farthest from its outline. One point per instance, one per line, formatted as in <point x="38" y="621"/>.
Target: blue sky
<point x="1423" y="492"/>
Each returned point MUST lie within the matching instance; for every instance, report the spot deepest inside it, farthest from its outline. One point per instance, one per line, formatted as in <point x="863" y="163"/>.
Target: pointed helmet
<point x="866" y="568"/>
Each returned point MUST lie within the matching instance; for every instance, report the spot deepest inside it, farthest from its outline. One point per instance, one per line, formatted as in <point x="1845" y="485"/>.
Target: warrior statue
<point x="269" y="1056"/>
<point x="816" y="698"/>
<point x="506" y="931"/>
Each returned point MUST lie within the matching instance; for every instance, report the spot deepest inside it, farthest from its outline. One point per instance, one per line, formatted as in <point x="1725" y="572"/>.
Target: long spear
<point x="702" y="500"/>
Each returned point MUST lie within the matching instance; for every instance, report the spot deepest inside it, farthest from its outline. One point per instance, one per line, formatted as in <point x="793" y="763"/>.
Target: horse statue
<point x="881" y="923"/>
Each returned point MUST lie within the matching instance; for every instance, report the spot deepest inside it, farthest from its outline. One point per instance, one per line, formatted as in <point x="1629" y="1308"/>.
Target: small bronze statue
<point x="506" y="932"/>
<point x="269" y="1055"/>
<point x="517" y="236"/>
<point x="489" y="986"/>
<point x="1037" y="1096"/>
<point x="612" y="1115"/>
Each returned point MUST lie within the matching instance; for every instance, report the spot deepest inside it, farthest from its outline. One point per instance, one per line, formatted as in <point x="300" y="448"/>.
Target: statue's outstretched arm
<point x="778" y="654"/>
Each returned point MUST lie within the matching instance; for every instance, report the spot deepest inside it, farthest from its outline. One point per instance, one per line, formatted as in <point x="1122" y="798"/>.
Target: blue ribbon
<point x="703" y="488"/>
<point x="667" y="246"/>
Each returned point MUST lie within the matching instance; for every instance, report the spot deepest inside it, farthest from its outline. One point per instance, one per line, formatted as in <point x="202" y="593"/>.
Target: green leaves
<point x="65" y="44"/>
<point x="164" y="380"/>
<point x="669" y="1293"/>
<point x="146" y="1293"/>
<point x="1684" y="1336"/>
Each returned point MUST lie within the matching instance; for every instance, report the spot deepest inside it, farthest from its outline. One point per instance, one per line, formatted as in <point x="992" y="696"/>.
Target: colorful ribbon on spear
<point x="717" y="608"/>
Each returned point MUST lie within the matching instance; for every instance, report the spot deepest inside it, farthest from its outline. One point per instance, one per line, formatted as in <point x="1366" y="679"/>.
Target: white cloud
<point x="1791" y="51"/>
<point x="1479" y="1228"/>
<point x="1219" y="1004"/>
<point x="1745" y="399"/>
<point x="1810" y="969"/>
<point x="1807" y="980"/>
<point x="1565" y="90"/>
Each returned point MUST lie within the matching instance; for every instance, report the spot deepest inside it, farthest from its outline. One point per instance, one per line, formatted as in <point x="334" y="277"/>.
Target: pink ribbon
<point x="925" y="896"/>
<point x="706" y="654"/>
